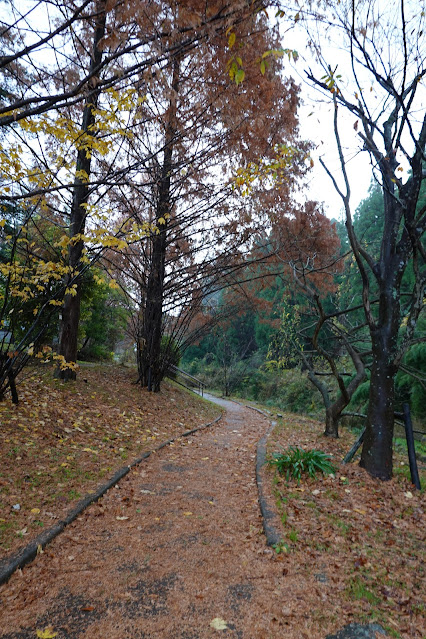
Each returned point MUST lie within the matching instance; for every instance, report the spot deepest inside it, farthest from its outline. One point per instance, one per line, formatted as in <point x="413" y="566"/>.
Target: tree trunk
<point x="68" y="338"/>
<point x="332" y="422"/>
<point x="150" y="365"/>
<point x="377" y="449"/>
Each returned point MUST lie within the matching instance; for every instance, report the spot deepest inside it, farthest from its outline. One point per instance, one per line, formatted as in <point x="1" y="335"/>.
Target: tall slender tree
<point x="388" y="65"/>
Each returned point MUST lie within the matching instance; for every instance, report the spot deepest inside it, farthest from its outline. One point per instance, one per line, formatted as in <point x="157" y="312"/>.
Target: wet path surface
<point x="176" y="545"/>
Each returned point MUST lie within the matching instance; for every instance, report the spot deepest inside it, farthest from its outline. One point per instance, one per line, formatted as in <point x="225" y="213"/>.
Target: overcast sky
<point x="316" y="125"/>
<point x="316" y="113"/>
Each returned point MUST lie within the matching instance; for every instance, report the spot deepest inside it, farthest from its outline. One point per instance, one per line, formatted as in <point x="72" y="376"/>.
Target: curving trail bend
<point x="175" y="551"/>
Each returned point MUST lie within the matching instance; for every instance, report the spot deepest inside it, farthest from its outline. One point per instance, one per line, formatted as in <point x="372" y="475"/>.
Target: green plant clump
<point x="294" y="462"/>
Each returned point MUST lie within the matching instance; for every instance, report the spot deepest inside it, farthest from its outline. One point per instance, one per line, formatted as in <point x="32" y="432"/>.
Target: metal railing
<point x="185" y="379"/>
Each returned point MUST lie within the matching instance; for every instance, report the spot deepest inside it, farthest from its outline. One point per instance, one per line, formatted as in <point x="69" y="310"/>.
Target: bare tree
<point x="385" y="98"/>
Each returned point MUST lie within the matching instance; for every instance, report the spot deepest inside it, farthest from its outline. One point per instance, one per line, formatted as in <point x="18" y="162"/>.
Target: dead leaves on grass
<point x="62" y="440"/>
<point x="363" y="537"/>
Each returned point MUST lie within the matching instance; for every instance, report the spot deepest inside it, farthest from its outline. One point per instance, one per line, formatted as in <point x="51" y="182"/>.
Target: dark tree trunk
<point x="377" y="449"/>
<point x="332" y="422"/>
<point x="68" y="338"/>
<point x="335" y="410"/>
<point x="150" y="365"/>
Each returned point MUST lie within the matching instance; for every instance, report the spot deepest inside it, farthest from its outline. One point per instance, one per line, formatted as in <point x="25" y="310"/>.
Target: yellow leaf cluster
<point x="275" y="170"/>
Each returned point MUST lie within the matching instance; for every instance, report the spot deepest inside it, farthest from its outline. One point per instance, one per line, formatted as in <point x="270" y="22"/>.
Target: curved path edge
<point x="269" y="514"/>
<point x="270" y="517"/>
<point x="15" y="561"/>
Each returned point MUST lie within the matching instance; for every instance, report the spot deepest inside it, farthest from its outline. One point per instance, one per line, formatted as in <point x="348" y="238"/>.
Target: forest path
<point x="175" y="549"/>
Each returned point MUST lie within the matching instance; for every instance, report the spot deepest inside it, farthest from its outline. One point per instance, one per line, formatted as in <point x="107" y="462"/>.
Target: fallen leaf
<point x="188" y="513"/>
<point x="408" y="494"/>
<point x="218" y="624"/>
<point x="121" y="518"/>
<point x="35" y="511"/>
<point x="47" y="633"/>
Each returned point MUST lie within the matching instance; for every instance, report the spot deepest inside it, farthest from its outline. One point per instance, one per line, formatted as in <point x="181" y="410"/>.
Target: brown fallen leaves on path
<point x="177" y="551"/>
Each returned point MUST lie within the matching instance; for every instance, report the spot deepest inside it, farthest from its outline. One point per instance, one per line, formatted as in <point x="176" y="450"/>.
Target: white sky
<point x="316" y="125"/>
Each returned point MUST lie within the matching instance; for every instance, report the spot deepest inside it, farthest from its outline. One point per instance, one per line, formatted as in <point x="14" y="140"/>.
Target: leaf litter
<point x="65" y="439"/>
<point x="362" y="537"/>
<point x="351" y="548"/>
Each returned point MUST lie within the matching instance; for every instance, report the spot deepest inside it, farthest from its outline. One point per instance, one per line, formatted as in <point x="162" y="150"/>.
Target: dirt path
<point x="175" y="546"/>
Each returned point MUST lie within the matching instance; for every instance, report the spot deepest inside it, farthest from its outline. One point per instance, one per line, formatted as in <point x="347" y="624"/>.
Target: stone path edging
<point x="17" y="560"/>
<point x="270" y="519"/>
<point x="269" y="516"/>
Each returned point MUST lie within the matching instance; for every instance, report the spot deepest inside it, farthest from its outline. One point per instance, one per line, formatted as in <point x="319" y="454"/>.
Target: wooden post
<point x="415" y="479"/>
<point x="351" y="454"/>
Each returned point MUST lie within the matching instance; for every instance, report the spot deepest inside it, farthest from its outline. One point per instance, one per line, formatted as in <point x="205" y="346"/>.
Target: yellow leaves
<point x="239" y="76"/>
<point x="2" y="223"/>
<point x="35" y="511"/>
<point x="274" y="170"/>
<point x="63" y="364"/>
<point x="98" y="279"/>
<point x="231" y="40"/>
<point x="113" y="284"/>
<point x="71" y="290"/>
<point x="235" y="70"/>
<point x="47" y="633"/>
<point x="63" y="242"/>
<point x="188" y="513"/>
<point x="218" y="624"/>
<point x="330" y="80"/>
